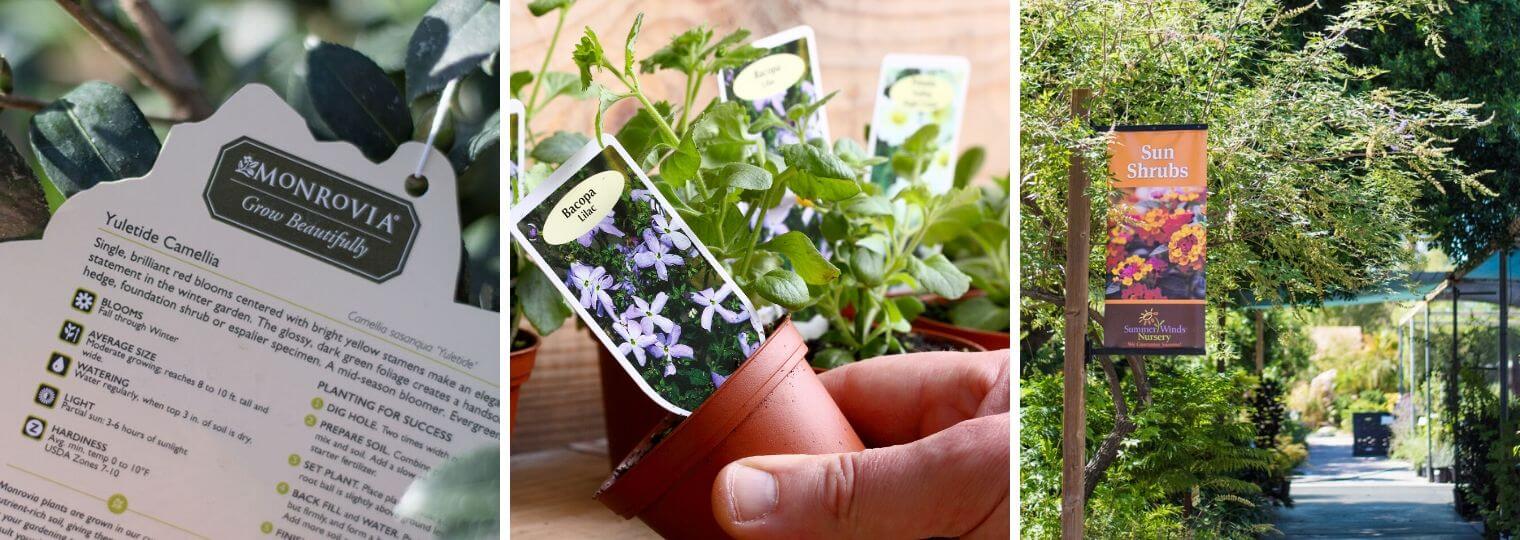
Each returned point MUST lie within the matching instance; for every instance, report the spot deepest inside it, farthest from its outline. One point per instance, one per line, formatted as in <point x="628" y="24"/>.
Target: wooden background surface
<point x="561" y="403"/>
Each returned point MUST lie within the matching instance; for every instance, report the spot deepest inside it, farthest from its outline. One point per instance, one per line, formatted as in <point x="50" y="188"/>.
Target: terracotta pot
<point x="990" y="341"/>
<point x="629" y="414"/>
<point x="773" y="404"/>
<point x="522" y="367"/>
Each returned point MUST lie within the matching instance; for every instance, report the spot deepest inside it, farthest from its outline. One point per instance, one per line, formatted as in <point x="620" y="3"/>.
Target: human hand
<point x="938" y="425"/>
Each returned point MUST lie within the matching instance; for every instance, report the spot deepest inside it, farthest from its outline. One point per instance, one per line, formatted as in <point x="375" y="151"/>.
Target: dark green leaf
<point x="968" y="165"/>
<point x="642" y="133"/>
<point x="452" y="39"/>
<point x="784" y="289"/>
<point x="299" y="96"/>
<point x="804" y="256"/>
<point x="937" y="275"/>
<point x="539" y="300"/>
<point x="23" y="208"/>
<point x="745" y="176"/>
<point x="489" y="135"/>
<point x="356" y="100"/>
<point x="558" y="147"/>
<point x="832" y="358"/>
<point x="93" y="134"/>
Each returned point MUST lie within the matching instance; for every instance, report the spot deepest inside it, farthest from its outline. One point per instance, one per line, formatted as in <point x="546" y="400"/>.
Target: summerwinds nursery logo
<point x="1152" y="328"/>
<point x="310" y="209"/>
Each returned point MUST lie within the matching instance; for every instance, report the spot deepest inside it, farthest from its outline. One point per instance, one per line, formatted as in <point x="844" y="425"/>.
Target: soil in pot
<point x="773" y="404"/>
<point x="524" y="354"/>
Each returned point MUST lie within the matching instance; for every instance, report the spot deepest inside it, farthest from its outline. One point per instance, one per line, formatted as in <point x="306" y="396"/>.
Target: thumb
<point x="952" y="483"/>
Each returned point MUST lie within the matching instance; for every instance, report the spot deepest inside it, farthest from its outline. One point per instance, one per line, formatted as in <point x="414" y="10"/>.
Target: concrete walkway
<point x="1338" y="496"/>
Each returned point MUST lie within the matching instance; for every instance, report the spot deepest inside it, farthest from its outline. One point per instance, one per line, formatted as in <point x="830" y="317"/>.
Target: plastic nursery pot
<point x="522" y="367"/>
<point x="630" y="415"/>
<point x="991" y="341"/>
<point x="773" y="404"/>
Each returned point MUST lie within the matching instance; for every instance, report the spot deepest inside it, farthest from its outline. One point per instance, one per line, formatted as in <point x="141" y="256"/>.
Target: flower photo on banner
<point x="1156" y="246"/>
<point x="642" y="280"/>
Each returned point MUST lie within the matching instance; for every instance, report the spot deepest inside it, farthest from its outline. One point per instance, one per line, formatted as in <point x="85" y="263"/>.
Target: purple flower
<point x="635" y="339"/>
<point x="774" y="219"/>
<point x="744" y="345"/>
<point x="717" y="379"/>
<point x="670" y="349"/>
<point x="656" y="254"/>
<point x="641" y="195"/>
<point x="605" y="226"/>
<point x="593" y="284"/>
<point x="668" y="234"/>
<point x="713" y="302"/>
<point x="648" y="313"/>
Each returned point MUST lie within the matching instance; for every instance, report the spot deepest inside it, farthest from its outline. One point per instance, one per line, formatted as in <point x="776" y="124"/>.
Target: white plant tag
<point x="257" y="338"/>
<point x="914" y="91"/>
<point x="634" y="272"/>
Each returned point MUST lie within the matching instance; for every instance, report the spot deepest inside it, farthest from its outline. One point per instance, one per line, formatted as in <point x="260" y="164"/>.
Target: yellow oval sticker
<point x="921" y="93"/>
<point x="768" y="76"/>
<point x="583" y="207"/>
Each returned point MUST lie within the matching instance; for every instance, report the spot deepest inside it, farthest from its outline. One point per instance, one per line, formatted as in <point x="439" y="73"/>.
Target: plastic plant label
<point x="258" y="337"/>
<point x="915" y="91"/>
<point x="635" y="273"/>
<point x="785" y="77"/>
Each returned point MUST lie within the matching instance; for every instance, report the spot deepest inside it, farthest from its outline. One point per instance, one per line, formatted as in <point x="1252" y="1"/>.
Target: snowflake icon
<point x="84" y="300"/>
<point x="248" y="166"/>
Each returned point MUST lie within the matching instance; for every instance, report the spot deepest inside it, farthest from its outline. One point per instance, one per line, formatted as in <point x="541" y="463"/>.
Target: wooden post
<point x="1261" y="351"/>
<point x="1452" y="388"/>
<point x="1503" y="339"/>
<point x="1074" y="389"/>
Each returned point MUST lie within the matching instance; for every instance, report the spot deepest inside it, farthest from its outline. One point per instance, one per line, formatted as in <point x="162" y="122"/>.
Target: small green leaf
<point x="540" y="301"/>
<point x="633" y="35"/>
<point x="980" y="313"/>
<point x="683" y="54"/>
<point x="588" y="54"/>
<point x="541" y="7"/>
<point x="680" y="167"/>
<point x="922" y="142"/>
<point x="804" y="256"/>
<point x="909" y="306"/>
<point x="832" y="358"/>
<point x="452" y="39"/>
<point x="814" y="173"/>
<point x="745" y="176"/>
<point x="937" y="275"/>
<point x="558" y="147"/>
<point x="93" y="134"/>
<point x="871" y="205"/>
<point x="520" y="80"/>
<point x="489" y="135"/>
<point x="722" y="134"/>
<point x="784" y="289"/>
<point x="867" y="266"/>
<point x="357" y="100"/>
<point x="968" y="165"/>
<point x="23" y="208"/>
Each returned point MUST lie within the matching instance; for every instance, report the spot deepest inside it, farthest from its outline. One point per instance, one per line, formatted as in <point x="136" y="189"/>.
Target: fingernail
<point x="751" y="493"/>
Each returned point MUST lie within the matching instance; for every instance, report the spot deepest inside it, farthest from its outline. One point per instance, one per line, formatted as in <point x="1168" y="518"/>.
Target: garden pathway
<point x="1338" y="496"/>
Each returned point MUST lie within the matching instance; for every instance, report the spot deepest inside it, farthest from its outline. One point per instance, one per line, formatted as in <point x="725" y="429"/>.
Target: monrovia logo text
<point x="319" y="195"/>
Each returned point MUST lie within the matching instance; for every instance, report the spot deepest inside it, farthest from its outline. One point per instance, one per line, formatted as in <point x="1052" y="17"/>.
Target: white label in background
<point x="922" y="93"/>
<point x="583" y="207"/>
<point x="171" y="375"/>
<point x="769" y="76"/>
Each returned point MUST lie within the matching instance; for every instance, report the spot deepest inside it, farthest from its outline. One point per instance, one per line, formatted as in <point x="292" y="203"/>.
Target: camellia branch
<point x="26" y="103"/>
<point x="187" y="101"/>
<point x="167" y="56"/>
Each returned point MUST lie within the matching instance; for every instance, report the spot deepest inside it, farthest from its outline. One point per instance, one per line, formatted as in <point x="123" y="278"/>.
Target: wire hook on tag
<point x="417" y="183"/>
